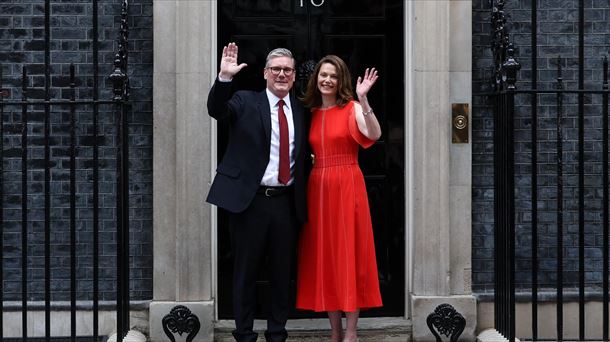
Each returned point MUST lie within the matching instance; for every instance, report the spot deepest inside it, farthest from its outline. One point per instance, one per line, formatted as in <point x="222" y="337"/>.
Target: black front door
<point x="363" y="33"/>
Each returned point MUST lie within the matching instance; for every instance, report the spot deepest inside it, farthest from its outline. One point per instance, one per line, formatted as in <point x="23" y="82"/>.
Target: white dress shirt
<point x="272" y="171"/>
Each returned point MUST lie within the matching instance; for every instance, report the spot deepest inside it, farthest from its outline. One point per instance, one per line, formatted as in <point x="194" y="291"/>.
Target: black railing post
<point x="47" y="171"/>
<point x="504" y="80"/>
<point x="123" y="216"/>
<point x="498" y="189"/>
<point x="121" y="96"/>
<point x="497" y="46"/>
<point x="24" y="205"/>
<point x="534" y="165"/>
<point x="606" y="216"/>
<point x="73" y="287"/>
<point x="496" y="160"/>
<point x="95" y="176"/>
<point x="1" y="205"/>
<point x="559" y="160"/>
<point x="581" y="171"/>
<point x="511" y="66"/>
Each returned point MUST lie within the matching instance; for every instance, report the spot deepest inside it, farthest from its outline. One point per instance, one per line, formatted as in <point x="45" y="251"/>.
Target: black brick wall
<point x="557" y="35"/>
<point x="22" y="44"/>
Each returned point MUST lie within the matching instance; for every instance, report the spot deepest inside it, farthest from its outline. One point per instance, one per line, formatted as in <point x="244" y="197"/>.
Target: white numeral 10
<point x="314" y="3"/>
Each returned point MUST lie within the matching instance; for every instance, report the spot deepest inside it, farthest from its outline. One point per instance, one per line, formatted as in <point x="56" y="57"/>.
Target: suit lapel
<point x="297" y="117"/>
<point x="264" y="113"/>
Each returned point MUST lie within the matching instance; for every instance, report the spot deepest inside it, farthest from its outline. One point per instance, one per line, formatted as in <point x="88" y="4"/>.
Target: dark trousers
<point x="267" y="228"/>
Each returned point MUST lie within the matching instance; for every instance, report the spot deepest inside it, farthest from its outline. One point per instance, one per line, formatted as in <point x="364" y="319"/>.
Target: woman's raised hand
<point x="365" y="83"/>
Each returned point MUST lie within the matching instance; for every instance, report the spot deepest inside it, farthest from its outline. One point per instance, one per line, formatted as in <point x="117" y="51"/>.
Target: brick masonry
<point x="557" y="36"/>
<point x="22" y="44"/>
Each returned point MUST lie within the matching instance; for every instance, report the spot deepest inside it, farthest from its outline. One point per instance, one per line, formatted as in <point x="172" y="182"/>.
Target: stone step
<point x="386" y="329"/>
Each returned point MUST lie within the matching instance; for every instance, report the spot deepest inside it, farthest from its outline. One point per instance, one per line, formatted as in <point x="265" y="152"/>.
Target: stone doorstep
<point x="390" y="329"/>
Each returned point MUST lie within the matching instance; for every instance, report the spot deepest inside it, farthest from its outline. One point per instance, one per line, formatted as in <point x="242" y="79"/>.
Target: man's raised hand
<point x="228" y="62"/>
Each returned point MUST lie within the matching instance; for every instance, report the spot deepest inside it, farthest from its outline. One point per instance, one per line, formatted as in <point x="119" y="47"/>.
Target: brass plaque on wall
<point x="459" y="123"/>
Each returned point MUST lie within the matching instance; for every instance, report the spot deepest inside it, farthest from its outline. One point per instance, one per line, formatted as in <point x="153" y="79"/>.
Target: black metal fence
<point x="575" y="114"/>
<point x="35" y="108"/>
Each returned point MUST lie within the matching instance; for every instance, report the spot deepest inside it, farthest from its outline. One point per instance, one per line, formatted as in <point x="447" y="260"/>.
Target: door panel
<point x="255" y="9"/>
<point x="364" y="33"/>
<point x="349" y="8"/>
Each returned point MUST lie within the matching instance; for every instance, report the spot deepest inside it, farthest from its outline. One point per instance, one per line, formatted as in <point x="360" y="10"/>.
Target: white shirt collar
<point x="273" y="100"/>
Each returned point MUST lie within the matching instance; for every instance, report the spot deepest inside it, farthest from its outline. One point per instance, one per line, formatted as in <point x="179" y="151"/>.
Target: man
<point x="261" y="183"/>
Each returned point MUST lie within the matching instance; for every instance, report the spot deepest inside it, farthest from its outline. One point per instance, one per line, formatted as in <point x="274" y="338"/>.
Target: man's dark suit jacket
<point x="239" y="173"/>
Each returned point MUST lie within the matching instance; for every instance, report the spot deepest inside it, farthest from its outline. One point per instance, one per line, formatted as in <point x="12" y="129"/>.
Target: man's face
<point x="280" y="84"/>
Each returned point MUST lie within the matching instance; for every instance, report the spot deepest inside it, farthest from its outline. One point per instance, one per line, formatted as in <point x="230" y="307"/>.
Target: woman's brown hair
<point x="313" y="98"/>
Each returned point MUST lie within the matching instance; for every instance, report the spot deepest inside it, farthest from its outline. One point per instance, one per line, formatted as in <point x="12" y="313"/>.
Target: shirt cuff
<point x="224" y="79"/>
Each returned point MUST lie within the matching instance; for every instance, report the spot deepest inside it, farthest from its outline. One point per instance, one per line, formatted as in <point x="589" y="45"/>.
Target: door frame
<point x="408" y="23"/>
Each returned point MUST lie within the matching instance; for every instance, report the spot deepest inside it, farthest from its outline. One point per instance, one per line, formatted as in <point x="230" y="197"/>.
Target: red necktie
<point x="284" y="174"/>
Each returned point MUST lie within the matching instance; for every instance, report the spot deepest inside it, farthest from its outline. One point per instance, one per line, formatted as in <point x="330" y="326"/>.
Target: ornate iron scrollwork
<point x="510" y="67"/>
<point x="304" y="71"/>
<point x="505" y="66"/>
<point x="120" y="81"/>
<point x="447" y="321"/>
<point x="180" y="320"/>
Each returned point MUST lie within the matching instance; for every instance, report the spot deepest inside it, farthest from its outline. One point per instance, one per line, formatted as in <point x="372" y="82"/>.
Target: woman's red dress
<point x="337" y="269"/>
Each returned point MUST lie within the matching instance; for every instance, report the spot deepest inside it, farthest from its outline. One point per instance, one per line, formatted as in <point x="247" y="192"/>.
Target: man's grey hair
<point x="279" y="52"/>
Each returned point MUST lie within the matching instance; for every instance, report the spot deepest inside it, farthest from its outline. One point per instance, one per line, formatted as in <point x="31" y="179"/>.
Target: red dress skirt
<point x="337" y="269"/>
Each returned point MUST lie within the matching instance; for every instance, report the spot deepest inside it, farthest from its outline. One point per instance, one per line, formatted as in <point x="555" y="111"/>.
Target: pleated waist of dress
<point x="335" y="160"/>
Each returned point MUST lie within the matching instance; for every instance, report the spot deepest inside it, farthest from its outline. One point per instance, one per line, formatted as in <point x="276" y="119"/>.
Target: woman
<point x="337" y="270"/>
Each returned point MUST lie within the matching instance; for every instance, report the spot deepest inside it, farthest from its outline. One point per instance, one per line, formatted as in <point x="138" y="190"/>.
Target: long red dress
<point x="337" y="269"/>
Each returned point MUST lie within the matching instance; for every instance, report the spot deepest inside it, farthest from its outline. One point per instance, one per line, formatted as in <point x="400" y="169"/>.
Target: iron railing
<point x="27" y="105"/>
<point x="504" y="97"/>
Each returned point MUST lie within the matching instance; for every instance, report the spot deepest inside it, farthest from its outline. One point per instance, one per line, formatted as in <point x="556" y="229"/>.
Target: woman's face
<point x="328" y="80"/>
